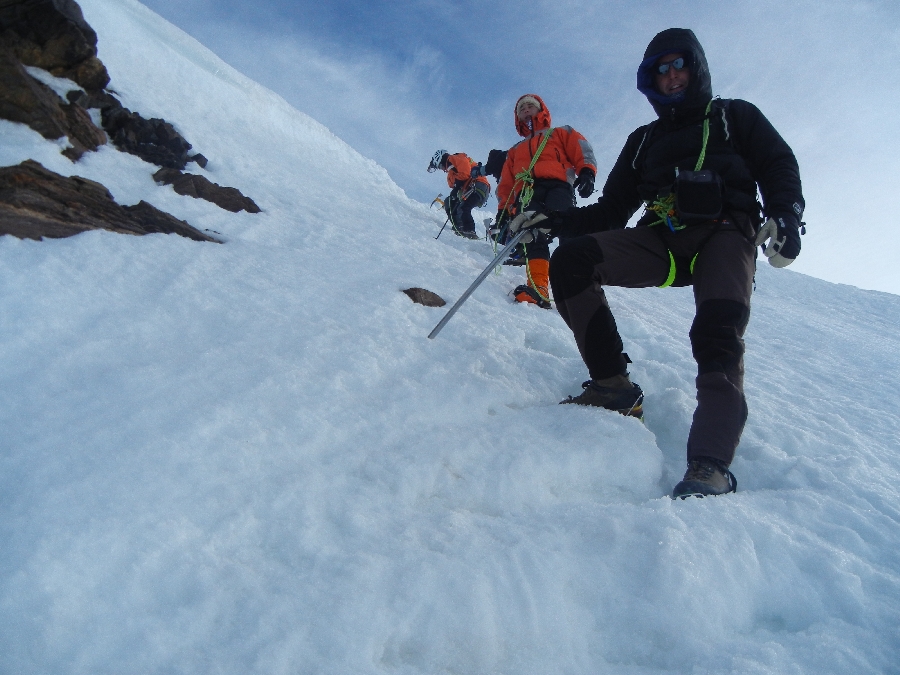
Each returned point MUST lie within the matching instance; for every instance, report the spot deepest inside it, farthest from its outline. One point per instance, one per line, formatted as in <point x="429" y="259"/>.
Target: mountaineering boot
<point x="468" y="233"/>
<point x="529" y="295"/>
<point x="617" y="393"/>
<point x="516" y="258"/>
<point x="537" y="290"/>
<point x="705" y="476"/>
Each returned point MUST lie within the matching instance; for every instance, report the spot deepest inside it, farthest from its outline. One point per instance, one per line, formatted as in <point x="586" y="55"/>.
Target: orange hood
<point x="539" y="121"/>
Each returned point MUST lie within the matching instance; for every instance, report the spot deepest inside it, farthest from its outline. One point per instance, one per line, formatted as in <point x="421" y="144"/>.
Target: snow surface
<point x="248" y="457"/>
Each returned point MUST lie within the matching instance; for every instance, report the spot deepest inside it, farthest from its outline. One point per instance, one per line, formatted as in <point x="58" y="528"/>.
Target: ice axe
<point x="475" y="284"/>
<point x="437" y="200"/>
<point x="442" y="227"/>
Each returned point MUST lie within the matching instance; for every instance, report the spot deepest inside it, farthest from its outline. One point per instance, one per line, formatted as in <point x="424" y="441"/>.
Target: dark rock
<point x="37" y="203"/>
<point x="425" y="297"/>
<point x="53" y="35"/>
<point x="81" y="130"/>
<point x="23" y="99"/>
<point x="200" y="187"/>
<point x="199" y="159"/>
<point x="93" y="99"/>
<point x="153" y="140"/>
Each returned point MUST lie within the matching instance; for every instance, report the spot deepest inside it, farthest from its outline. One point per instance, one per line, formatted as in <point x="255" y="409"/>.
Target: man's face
<point x="674" y="79"/>
<point x="526" y="111"/>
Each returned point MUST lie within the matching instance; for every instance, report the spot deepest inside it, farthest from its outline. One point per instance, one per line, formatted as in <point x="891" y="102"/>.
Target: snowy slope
<point x="248" y="458"/>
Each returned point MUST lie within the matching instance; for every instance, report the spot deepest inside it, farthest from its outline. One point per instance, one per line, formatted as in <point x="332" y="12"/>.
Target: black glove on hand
<point x="783" y="236"/>
<point x="585" y="183"/>
<point x="477" y="170"/>
<point x="494" y="166"/>
<point x="531" y="221"/>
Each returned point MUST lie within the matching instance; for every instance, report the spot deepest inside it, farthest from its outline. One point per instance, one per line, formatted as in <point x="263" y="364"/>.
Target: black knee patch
<point x="716" y="335"/>
<point x="572" y="266"/>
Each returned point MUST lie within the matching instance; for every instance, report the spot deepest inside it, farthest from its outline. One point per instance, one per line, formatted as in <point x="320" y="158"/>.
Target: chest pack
<point x="696" y="195"/>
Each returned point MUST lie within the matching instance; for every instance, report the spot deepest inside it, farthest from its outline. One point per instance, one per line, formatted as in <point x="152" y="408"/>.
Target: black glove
<point x="783" y="235"/>
<point x="585" y="183"/>
<point x="494" y="166"/>
<point x="458" y="184"/>
<point x="477" y="170"/>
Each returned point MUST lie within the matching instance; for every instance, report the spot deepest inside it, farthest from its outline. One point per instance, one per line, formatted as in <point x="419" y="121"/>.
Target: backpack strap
<point x="645" y="143"/>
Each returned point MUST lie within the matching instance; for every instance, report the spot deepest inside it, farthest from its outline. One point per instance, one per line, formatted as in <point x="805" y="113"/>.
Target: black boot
<point x="613" y="393"/>
<point x="705" y="476"/>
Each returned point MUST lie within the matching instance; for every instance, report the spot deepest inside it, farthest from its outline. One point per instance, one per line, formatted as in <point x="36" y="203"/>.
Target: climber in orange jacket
<point x="467" y="192"/>
<point x="542" y="173"/>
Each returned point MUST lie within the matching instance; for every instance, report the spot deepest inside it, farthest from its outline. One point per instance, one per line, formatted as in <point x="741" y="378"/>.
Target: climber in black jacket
<point x="695" y="170"/>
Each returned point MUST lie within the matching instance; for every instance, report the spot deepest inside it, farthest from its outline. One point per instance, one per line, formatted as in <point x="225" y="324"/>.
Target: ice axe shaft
<point x="442" y="227"/>
<point x="475" y="284"/>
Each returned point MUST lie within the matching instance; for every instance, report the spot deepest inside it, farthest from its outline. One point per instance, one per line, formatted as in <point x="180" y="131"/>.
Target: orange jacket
<point x="459" y="167"/>
<point x="565" y="150"/>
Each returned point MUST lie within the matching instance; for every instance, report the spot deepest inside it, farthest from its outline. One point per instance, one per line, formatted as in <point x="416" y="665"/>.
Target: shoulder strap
<point x="724" y="105"/>
<point x="645" y="143"/>
<point x="540" y="148"/>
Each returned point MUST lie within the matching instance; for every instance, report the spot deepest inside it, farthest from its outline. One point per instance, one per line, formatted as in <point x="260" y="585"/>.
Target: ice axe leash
<point x="475" y="284"/>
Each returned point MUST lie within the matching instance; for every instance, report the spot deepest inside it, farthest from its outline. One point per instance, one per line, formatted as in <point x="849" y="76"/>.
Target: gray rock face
<point x="37" y="203"/>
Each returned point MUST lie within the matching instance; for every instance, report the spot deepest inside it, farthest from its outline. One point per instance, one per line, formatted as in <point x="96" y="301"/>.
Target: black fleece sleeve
<point x="772" y="162"/>
<point x="617" y="203"/>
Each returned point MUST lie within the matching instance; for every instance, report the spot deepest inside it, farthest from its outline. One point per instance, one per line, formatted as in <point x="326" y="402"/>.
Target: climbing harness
<point x="665" y="207"/>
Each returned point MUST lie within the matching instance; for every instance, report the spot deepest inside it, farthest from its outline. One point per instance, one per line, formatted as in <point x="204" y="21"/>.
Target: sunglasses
<point x="677" y="64"/>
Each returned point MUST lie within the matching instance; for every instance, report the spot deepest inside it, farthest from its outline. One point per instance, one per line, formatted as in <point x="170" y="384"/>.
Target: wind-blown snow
<point x="248" y="458"/>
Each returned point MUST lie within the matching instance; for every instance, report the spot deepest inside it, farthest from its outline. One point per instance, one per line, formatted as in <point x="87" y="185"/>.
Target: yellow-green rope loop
<point x="527" y="177"/>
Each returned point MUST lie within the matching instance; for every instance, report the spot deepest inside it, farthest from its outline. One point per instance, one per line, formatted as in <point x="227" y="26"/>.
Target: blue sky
<point x="399" y="80"/>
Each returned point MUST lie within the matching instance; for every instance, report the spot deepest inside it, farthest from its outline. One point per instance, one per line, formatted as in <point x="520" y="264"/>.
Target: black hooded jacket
<point x="743" y="148"/>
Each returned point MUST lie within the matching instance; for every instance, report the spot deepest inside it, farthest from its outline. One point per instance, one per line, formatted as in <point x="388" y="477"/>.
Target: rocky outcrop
<point x="153" y="140"/>
<point x="200" y="187"/>
<point x="24" y="99"/>
<point x="37" y="203"/>
<point x="53" y="35"/>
